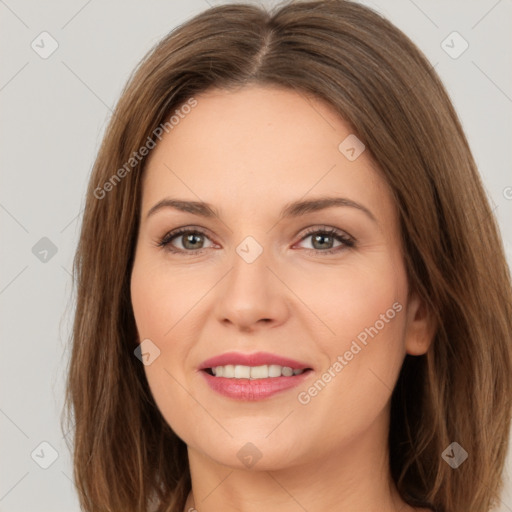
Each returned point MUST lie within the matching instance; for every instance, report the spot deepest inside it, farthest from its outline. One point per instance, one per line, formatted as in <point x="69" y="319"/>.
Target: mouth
<point x="253" y="376"/>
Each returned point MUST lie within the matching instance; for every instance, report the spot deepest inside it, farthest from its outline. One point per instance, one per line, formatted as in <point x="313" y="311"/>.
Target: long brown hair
<point x="125" y="454"/>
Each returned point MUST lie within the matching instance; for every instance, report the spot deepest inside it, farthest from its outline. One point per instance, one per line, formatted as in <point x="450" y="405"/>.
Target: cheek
<point x="364" y="308"/>
<point x="161" y="301"/>
<point x="368" y="311"/>
<point x="160" y="297"/>
<point x="354" y="298"/>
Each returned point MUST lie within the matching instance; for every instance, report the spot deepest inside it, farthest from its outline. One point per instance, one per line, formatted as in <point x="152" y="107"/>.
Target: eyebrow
<point x="293" y="209"/>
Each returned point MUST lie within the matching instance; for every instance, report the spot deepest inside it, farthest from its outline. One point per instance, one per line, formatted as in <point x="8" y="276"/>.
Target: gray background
<point x="54" y="112"/>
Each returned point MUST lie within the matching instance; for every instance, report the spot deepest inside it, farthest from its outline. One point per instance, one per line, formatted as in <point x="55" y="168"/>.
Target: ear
<point x="420" y="328"/>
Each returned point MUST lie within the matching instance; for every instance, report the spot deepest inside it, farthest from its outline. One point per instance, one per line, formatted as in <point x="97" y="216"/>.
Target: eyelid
<point x="326" y="229"/>
<point x="347" y="241"/>
<point x="165" y="241"/>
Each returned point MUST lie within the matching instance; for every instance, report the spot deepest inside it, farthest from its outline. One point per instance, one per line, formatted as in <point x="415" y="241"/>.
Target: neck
<point x="356" y="476"/>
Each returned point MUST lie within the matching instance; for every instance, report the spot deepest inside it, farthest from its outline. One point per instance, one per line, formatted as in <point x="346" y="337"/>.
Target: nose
<point x="252" y="296"/>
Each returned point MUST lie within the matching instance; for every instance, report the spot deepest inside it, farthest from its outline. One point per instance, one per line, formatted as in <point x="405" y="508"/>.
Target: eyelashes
<point x="320" y="234"/>
<point x="165" y="242"/>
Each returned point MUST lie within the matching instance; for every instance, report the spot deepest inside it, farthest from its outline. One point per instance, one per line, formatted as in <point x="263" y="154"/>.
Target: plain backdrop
<point x="54" y="111"/>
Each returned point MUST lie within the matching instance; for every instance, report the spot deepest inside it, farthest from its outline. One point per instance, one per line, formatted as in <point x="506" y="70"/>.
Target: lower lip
<point x="253" y="389"/>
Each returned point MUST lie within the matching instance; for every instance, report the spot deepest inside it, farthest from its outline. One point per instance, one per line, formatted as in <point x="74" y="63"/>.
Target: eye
<point x="191" y="243"/>
<point x="192" y="240"/>
<point x="323" y="240"/>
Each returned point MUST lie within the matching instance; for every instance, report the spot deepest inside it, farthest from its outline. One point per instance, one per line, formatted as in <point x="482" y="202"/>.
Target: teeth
<point x="258" y="372"/>
<point x="242" y="372"/>
<point x="254" y="372"/>
<point x="287" y="371"/>
<point x="274" y="370"/>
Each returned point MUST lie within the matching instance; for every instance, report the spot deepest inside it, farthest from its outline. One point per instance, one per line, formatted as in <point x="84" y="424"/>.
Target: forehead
<point x="258" y="146"/>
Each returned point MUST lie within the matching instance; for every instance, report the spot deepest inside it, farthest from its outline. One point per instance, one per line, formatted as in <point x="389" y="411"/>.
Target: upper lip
<point x="255" y="359"/>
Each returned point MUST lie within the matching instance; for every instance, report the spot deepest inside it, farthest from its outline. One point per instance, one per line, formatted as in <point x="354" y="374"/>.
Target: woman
<point x="224" y="358"/>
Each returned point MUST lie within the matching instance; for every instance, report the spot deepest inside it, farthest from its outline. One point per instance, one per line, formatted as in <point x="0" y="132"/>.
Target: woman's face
<point x="266" y="274"/>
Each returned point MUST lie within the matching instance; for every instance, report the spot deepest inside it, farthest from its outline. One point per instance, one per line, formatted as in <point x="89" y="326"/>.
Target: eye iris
<point x="190" y="238"/>
<point x="321" y="238"/>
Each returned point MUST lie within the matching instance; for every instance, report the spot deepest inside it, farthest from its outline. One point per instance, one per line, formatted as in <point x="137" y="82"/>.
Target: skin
<point x="248" y="153"/>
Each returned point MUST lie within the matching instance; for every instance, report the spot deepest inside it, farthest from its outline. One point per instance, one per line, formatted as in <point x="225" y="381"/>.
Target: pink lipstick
<point x="253" y="376"/>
